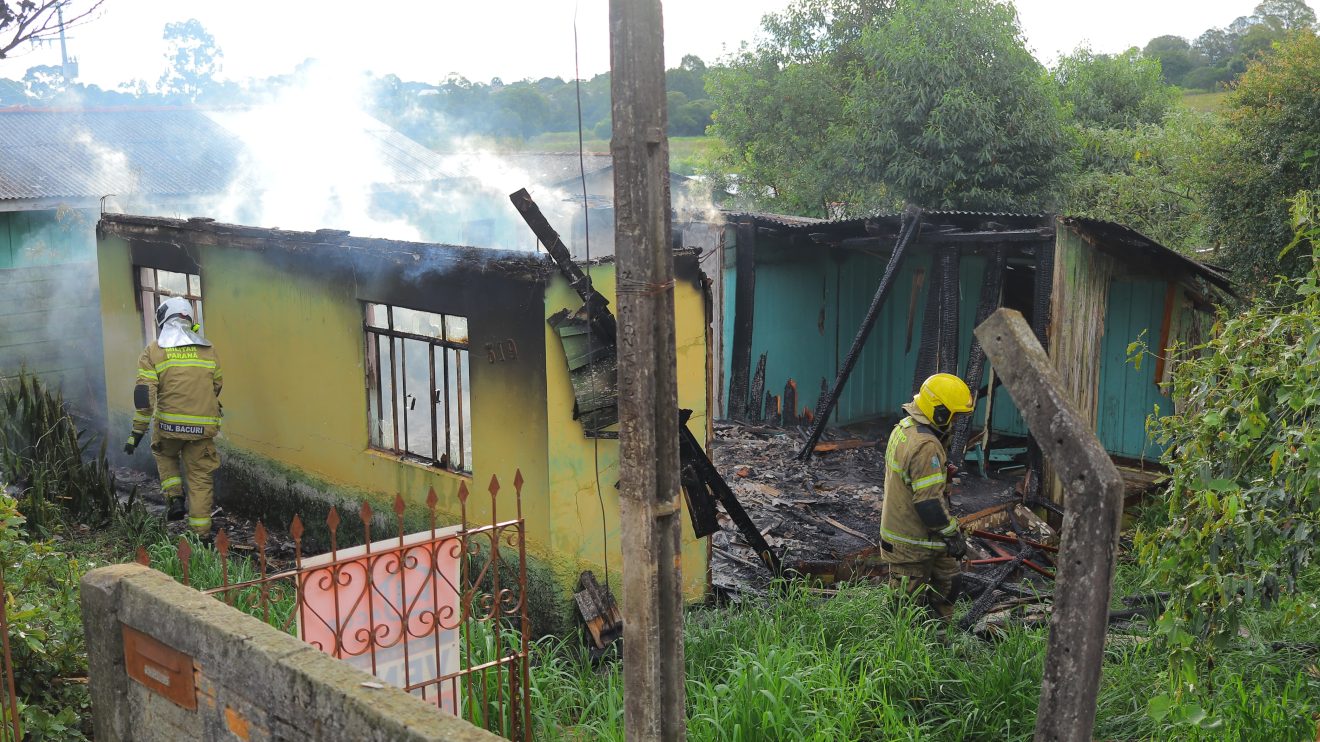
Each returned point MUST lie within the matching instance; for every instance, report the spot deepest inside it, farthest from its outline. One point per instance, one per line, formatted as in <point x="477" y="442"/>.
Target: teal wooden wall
<point x="1128" y="395"/>
<point x="49" y="302"/>
<point x="810" y="303"/>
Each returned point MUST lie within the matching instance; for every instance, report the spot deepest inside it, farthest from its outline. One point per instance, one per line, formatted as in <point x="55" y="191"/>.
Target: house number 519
<point x="502" y="350"/>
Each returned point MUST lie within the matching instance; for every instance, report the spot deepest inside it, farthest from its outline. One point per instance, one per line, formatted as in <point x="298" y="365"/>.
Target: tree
<point x="1285" y="15"/>
<point x="873" y="103"/>
<point x="43" y="82"/>
<point x="193" y="60"/>
<point x="775" y="104"/>
<point x="1175" y="56"/>
<point x="956" y="113"/>
<point x="1271" y="153"/>
<point x="1113" y="90"/>
<point x="39" y="20"/>
<point x="1148" y="176"/>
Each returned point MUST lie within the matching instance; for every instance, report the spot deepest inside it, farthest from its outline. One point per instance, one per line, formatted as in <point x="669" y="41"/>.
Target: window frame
<point x="398" y="424"/>
<point x="148" y="316"/>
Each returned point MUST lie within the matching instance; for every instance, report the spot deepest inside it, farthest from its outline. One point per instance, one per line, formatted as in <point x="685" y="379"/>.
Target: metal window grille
<point x="390" y="607"/>
<point x="155" y="285"/>
<point x="418" y="390"/>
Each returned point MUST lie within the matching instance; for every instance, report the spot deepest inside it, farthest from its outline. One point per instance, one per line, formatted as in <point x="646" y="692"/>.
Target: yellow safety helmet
<point x="941" y="397"/>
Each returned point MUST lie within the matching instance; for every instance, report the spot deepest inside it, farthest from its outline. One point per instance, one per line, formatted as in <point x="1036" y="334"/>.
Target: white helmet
<point x="175" y="306"/>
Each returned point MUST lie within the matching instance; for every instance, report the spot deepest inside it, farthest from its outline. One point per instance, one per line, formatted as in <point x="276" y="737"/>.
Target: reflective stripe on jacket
<point x="914" y="472"/>
<point x="181" y="389"/>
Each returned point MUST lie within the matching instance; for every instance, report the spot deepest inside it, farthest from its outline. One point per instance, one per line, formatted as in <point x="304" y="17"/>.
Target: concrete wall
<point x="250" y="681"/>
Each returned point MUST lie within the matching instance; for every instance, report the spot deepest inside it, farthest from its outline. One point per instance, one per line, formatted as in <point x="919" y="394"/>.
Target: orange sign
<point x="392" y="609"/>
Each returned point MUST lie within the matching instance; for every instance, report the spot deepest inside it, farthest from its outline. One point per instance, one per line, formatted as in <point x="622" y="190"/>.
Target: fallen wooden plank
<point x="848" y="530"/>
<point x="845" y="445"/>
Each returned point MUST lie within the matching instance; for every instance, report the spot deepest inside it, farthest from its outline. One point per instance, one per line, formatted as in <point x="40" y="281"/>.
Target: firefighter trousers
<point x="194" y="463"/>
<point x="931" y="580"/>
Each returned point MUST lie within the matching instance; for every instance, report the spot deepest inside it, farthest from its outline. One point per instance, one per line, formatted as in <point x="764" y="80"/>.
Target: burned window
<point x="418" y="394"/>
<point x="156" y="285"/>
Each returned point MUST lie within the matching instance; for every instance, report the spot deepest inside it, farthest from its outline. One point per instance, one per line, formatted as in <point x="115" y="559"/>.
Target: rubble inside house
<point x="822" y="518"/>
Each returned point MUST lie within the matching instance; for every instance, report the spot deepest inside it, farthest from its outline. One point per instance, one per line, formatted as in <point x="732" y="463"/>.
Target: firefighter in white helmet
<point x="920" y="541"/>
<point x="178" y="386"/>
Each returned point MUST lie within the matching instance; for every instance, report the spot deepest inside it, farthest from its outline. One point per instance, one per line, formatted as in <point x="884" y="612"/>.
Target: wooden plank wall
<point x="50" y="324"/>
<point x="1077" y="324"/>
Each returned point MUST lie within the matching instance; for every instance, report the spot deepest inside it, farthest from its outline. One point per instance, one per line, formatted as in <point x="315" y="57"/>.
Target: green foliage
<point x="1111" y="91"/>
<point x="1219" y="55"/>
<point x="44" y="459"/>
<point x="1272" y="151"/>
<point x="45" y="630"/>
<point x="866" y="664"/>
<point x="863" y="105"/>
<point x="1244" y="490"/>
<point x="1148" y="177"/>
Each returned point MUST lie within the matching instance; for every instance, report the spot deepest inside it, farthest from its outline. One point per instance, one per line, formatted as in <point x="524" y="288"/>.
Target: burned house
<point x="356" y="369"/>
<point x="1105" y="301"/>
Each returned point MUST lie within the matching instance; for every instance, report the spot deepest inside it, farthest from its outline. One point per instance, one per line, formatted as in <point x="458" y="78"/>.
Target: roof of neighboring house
<point x="92" y="153"/>
<point x="991" y="226"/>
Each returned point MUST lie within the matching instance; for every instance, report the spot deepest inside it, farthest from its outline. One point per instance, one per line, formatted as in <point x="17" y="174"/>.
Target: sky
<point x="427" y="40"/>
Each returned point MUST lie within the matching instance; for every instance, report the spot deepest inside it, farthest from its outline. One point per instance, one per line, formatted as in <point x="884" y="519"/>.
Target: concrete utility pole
<point x="1093" y="491"/>
<point x="648" y="387"/>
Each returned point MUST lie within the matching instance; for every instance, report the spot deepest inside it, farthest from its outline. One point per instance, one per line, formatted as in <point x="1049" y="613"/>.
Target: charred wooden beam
<point x="911" y="225"/>
<point x="987" y="599"/>
<point x="790" y="404"/>
<point x="598" y="307"/>
<point x="755" y="392"/>
<point x="691" y="453"/>
<point x="946" y="356"/>
<point x="744" y="310"/>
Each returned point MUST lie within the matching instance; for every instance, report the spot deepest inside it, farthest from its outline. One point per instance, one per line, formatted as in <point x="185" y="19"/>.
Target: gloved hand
<point x="132" y="443"/>
<point x="957" y="545"/>
<point x="950" y="471"/>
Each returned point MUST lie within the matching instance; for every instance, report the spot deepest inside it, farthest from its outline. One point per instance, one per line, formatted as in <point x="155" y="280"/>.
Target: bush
<point x="44" y="462"/>
<point x="1244" y="457"/>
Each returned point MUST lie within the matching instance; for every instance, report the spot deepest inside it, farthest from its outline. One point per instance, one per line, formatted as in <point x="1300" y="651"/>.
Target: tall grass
<point x="867" y="664"/>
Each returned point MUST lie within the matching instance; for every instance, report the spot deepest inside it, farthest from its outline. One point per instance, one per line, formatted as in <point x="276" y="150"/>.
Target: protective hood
<point x="177" y="332"/>
<point x="911" y="409"/>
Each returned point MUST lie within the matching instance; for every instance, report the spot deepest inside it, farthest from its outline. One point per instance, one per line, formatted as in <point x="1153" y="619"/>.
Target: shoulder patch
<point x="935" y="462"/>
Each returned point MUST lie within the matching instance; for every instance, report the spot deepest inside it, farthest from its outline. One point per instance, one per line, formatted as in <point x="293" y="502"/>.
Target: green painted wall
<point x="1129" y="394"/>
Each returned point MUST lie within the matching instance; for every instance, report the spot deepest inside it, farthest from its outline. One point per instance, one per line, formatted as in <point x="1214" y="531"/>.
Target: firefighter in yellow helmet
<point x="920" y="540"/>
<point x="178" y="385"/>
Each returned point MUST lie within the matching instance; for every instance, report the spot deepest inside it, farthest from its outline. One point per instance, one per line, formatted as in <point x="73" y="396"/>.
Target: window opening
<point x="156" y="285"/>
<point x="418" y="386"/>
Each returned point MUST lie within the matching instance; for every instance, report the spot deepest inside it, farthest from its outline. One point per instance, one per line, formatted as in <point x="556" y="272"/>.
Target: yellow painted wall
<point x="291" y="346"/>
<point x="292" y="349"/>
<point x="578" y="528"/>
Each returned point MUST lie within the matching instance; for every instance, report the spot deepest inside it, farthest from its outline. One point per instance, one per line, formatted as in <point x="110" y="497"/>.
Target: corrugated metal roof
<point x="1111" y="235"/>
<point x="1116" y="235"/>
<point x="87" y="154"/>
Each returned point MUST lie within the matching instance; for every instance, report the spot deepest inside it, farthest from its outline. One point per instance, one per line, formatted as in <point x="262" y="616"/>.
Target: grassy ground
<point x="866" y="665"/>
<point x="1204" y="102"/>
<point x="684" y="152"/>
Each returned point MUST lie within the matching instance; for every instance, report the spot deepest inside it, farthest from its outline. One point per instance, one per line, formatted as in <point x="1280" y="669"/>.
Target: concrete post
<point x="649" y="502"/>
<point x="1093" y="500"/>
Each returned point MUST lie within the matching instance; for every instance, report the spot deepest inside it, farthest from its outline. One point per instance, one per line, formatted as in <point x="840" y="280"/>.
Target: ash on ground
<point x="819" y="511"/>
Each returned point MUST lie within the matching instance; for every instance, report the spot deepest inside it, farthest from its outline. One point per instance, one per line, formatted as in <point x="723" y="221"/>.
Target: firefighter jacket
<point x="914" y="520"/>
<point x="180" y="389"/>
